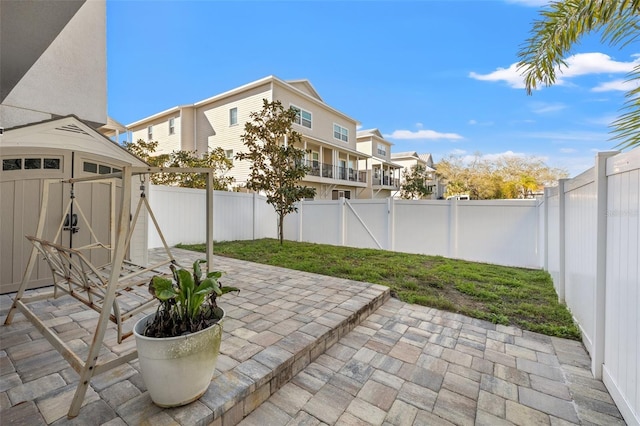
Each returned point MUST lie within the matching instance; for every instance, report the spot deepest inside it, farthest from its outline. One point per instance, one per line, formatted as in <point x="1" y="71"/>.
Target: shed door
<point x="21" y="184"/>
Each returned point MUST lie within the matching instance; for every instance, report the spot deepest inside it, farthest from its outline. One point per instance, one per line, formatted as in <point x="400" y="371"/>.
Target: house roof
<point x="305" y="86"/>
<point x="426" y="157"/>
<point x="301" y="87"/>
<point x="373" y="133"/>
<point x="70" y="125"/>
<point x="111" y="127"/>
<point x="405" y="154"/>
<point x="367" y="132"/>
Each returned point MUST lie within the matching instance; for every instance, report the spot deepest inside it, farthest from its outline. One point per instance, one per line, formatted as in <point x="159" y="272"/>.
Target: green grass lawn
<point x="503" y="295"/>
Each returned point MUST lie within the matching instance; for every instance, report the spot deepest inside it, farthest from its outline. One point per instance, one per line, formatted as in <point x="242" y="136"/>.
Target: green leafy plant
<point x="188" y="302"/>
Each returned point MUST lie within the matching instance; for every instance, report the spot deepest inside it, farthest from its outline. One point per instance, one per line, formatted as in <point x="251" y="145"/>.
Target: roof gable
<point x="306" y="87"/>
<point x="67" y="133"/>
<point x="370" y="132"/>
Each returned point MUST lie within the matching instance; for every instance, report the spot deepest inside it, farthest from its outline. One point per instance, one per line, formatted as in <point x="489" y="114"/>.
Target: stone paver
<point x="303" y="349"/>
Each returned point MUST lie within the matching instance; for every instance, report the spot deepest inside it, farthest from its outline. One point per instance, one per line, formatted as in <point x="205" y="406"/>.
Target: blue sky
<point x="433" y="76"/>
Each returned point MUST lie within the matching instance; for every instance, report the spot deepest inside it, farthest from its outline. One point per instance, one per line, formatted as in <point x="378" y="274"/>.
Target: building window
<point x="104" y="170"/>
<point x="172" y="126"/>
<point x="337" y="194"/>
<point x="150" y="133"/>
<point x="233" y="116"/>
<point x="303" y="117"/>
<point x="229" y="154"/>
<point x="341" y="133"/>
<point x="382" y="150"/>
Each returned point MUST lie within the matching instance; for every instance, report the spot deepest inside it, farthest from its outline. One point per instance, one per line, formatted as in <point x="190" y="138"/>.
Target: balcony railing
<point x="335" y="172"/>
<point x="386" y="181"/>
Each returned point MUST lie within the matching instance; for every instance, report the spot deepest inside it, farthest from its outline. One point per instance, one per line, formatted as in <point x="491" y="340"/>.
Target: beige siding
<point x="187" y="130"/>
<point x="166" y="143"/>
<point x="213" y="128"/>
<point x="365" y="146"/>
<point x="322" y="119"/>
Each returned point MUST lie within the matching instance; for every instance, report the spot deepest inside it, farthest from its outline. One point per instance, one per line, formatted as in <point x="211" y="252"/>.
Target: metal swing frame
<point x="100" y="286"/>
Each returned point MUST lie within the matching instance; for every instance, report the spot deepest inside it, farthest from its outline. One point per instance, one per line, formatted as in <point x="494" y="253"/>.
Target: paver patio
<point x="300" y="348"/>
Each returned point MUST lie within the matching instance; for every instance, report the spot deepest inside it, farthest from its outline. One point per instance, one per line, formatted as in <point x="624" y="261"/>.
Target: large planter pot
<point x="177" y="370"/>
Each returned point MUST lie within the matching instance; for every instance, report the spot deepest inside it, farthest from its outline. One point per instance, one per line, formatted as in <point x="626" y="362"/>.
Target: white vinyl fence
<point x="592" y="252"/>
<point x="181" y="214"/>
<point x="497" y="231"/>
<point x="585" y="232"/>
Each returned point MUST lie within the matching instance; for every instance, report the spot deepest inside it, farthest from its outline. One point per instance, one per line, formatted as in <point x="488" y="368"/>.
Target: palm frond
<point x="561" y="26"/>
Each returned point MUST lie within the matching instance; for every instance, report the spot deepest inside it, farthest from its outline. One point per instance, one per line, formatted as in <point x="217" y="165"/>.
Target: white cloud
<point x="595" y="63"/>
<point x="510" y="75"/>
<point x="472" y="122"/>
<point x="458" y="151"/>
<point x="546" y="108"/>
<point x="616" y="85"/>
<point x="422" y="134"/>
<point x="567" y="150"/>
<point x="577" y="65"/>
<point x="419" y="125"/>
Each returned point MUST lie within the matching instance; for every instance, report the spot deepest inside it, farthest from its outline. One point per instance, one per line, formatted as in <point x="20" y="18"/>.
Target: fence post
<point x="341" y="221"/>
<point x="300" y="209"/>
<point x="545" y="233"/>
<point x="561" y="240"/>
<point x="453" y="228"/>
<point x="597" y="359"/>
<point x="255" y="216"/>
<point x="390" y="224"/>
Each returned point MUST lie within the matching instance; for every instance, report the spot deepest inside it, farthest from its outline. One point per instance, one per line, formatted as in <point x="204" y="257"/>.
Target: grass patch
<point x="503" y="295"/>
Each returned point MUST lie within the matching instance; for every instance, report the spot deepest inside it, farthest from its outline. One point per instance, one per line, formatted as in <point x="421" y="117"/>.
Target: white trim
<point x="269" y="79"/>
<point x="230" y="121"/>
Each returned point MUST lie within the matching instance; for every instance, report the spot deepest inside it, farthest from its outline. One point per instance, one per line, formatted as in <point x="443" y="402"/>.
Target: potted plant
<point x="178" y="345"/>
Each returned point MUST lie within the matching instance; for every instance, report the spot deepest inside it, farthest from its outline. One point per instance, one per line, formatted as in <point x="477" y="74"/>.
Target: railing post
<point x="597" y="358"/>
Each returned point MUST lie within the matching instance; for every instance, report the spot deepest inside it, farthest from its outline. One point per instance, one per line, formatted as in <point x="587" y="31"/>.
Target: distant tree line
<point x="506" y="176"/>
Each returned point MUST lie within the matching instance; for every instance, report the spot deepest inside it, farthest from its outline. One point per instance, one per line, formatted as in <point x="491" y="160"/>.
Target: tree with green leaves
<point x="215" y="159"/>
<point x="507" y="176"/>
<point x="561" y="26"/>
<point x="416" y="183"/>
<point x="277" y="165"/>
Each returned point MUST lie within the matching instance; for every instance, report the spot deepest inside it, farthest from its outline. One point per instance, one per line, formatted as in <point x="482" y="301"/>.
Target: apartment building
<point x="383" y="174"/>
<point x="338" y="169"/>
<point x="410" y="159"/>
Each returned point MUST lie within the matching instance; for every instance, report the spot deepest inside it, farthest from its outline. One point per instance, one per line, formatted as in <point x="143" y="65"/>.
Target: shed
<point x="46" y="153"/>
